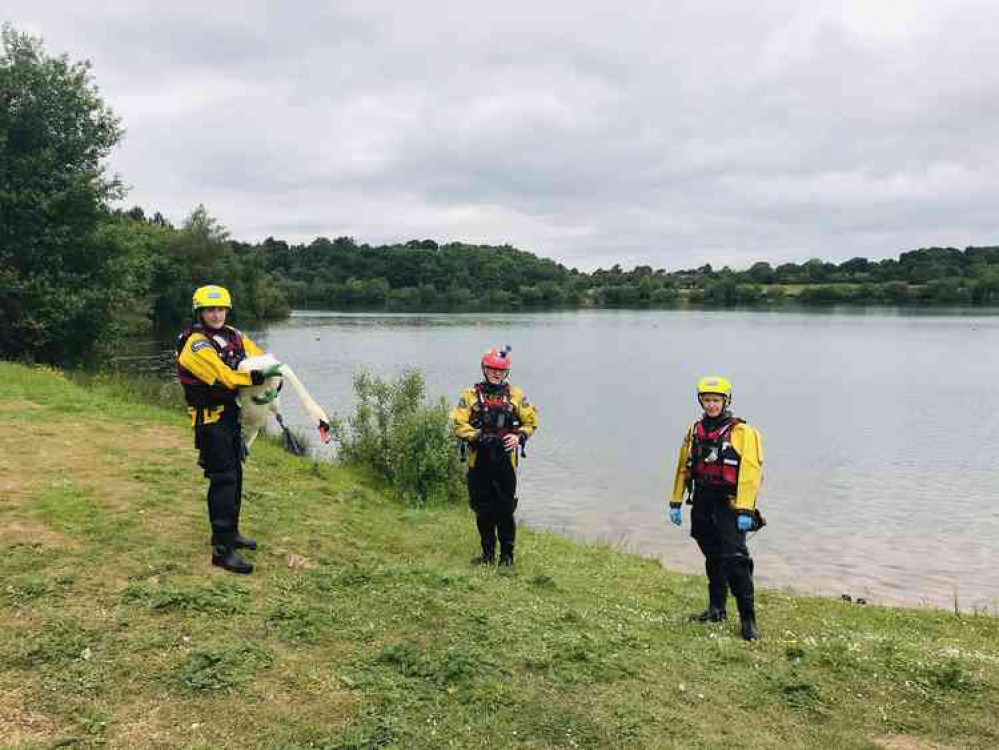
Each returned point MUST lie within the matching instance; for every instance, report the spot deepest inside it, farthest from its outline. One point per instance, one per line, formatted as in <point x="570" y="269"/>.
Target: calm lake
<point x="879" y="428"/>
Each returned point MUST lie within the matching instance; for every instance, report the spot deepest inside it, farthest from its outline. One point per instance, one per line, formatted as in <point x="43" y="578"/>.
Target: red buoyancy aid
<point x="493" y="412"/>
<point x="713" y="461"/>
<point x="228" y="343"/>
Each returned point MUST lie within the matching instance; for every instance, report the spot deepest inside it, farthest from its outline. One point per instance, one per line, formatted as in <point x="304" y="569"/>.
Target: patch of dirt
<point x="98" y="455"/>
<point x="8" y="487"/>
<point x="208" y="721"/>
<point x="23" y="405"/>
<point x="299" y="562"/>
<point x="18" y="476"/>
<point x="906" y="742"/>
<point x="19" y="726"/>
<point x="158" y="437"/>
<point x="151" y="724"/>
<point x="27" y="532"/>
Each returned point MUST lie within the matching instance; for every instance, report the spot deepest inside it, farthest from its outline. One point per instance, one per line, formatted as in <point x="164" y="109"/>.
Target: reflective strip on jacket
<point x="747" y="442"/>
<point x="462" y="417"/>
<point x="200" y="358"/>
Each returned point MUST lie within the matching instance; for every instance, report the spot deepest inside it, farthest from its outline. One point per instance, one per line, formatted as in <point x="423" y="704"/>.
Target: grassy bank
<point x="364" y="626"/>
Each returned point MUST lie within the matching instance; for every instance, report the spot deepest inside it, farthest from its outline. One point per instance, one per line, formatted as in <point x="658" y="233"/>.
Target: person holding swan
<point x="208" y="357"/>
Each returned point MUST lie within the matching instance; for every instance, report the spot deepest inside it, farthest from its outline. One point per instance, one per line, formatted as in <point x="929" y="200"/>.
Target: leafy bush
<point x="404" y="439"/>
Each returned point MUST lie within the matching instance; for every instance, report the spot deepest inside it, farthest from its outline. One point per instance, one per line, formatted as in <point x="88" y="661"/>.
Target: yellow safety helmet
<point x="211" y="296"/>
<point x="715" y="384"/>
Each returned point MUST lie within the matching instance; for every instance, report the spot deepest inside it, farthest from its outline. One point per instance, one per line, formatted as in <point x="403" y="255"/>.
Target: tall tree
<point x="61" y="281"/>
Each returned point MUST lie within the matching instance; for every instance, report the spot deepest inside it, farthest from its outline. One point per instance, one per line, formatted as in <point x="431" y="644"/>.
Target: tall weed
<point x="403" y="438"/>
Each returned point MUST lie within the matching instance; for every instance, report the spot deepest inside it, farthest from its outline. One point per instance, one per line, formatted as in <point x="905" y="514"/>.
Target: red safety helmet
<point x="497" y="359"/>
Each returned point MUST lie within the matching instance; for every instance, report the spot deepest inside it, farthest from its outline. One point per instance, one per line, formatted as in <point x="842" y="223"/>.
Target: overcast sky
<point x="664" y="133"/>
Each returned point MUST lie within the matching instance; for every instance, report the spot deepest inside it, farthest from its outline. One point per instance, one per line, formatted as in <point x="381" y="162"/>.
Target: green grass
<point x="116" y="632"/>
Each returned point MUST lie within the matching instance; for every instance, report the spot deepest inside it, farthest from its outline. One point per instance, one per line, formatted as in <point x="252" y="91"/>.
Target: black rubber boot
<point x="487" y="538"/>
<point x="243" y="542"/>
<point x="506" y="556"/>
<point x="741" y="581"/>
<point x="748" y="628"/>
<point x="228" y="558"/>
<point x="717" y="592"/>
<point x="710" y="615"/>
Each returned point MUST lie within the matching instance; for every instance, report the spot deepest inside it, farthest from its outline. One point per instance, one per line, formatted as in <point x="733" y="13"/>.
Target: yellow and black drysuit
<point x="206" y="366"/>
<point x="484" y="415"/>
<point x="721" y="464"/>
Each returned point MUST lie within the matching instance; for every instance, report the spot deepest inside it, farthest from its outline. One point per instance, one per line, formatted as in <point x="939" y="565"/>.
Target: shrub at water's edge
<point x="403" y="438"/>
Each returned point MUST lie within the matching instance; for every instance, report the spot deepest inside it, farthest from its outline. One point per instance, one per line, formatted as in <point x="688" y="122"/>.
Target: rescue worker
<point x="720" y="466"/>
<point x="208" y="354"/>
<point x="494" y="420"/>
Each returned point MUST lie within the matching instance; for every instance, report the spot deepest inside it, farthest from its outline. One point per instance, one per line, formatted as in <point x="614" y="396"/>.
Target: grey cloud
<point x="672" y="134"/>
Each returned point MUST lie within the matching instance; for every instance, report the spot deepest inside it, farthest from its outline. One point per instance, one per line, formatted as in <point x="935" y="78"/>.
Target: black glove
<point x="491" y="448"/>
<point x="257" y="377"/>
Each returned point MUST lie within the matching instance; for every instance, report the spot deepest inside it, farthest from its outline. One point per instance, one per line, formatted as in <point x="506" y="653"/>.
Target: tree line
<point x="422" y="275"/>
<point x="78" y="274"/>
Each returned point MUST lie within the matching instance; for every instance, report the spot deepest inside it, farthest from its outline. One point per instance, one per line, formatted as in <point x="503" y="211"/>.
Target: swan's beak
<point x="324" y="431"/>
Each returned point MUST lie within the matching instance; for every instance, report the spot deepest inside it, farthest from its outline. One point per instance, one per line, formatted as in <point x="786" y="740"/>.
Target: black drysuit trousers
<point x="714" y="526"/>
<point x="492" y="495"/>
<point x="220" y="454"/>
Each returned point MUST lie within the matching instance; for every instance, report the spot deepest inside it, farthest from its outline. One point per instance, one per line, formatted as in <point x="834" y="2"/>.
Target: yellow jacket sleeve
<point x="200" y="359"/>
<point x="252" y="350"/>
<point x="461" y="415"/>
<point x="527" y="413"/>
<point x="748" y="443"/>
<point x="680" y="475"/>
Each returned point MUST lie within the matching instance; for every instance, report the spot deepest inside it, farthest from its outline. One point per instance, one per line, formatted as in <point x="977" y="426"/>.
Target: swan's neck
<point x="315" y="410"/>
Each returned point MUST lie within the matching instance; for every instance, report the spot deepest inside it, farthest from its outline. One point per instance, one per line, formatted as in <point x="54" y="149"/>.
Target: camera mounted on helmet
<point x="496" y="365"/>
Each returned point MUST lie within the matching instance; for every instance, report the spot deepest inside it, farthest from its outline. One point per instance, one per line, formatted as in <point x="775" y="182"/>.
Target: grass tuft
<point x="223" y="667"/>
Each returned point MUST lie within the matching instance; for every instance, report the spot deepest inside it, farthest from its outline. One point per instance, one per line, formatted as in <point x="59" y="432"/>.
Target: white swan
<point x="256" y="405"/>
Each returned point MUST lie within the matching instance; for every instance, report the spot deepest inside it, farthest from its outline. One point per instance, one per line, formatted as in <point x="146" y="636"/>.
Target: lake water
<point x="879" y="428"/>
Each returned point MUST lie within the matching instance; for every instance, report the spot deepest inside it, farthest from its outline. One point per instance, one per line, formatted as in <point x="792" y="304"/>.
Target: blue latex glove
<point x="745" y="522"/>
<point x="676" y="515"/>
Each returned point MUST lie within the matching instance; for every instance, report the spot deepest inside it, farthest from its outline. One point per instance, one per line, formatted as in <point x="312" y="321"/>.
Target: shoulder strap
<point x="187" y="333"/>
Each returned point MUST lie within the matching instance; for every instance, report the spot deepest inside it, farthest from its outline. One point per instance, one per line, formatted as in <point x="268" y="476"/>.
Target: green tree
<point x="761" y="273"/>
<point x="200" y="252"/>
<point x="62" y="282"/>
<point x="986" y="287"/>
